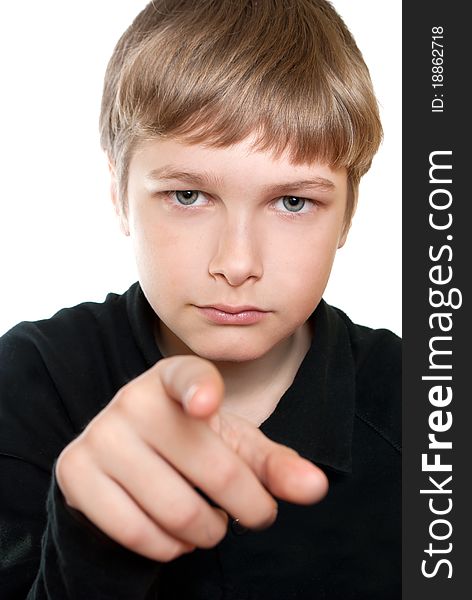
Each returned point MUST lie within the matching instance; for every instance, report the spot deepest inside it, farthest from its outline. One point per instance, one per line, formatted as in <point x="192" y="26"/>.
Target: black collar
<point x="315" y="415"/>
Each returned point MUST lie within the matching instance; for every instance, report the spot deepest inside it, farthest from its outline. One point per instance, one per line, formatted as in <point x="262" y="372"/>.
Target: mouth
<point x="223" y="314"/>
<point x="234" y="309"/>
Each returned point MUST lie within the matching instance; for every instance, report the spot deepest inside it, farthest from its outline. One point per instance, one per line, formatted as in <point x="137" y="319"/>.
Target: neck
<point x="270" y="371"/>
<point x="253" y="388"/>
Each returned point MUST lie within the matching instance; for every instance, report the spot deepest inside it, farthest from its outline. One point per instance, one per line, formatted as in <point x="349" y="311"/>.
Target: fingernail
<point x="189" y="394"/>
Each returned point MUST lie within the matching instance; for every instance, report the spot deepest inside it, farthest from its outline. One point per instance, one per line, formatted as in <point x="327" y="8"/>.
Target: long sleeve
<point x="48" y="550"/>
<point x="51" y="551"/>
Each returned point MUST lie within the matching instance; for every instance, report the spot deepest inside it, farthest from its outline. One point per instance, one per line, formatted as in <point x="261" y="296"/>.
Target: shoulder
<point x="82" y="318"/>
<point x="68" y="336"/>
<point x="57" y="373"/>
<point x="74" y="327"/>
<point x="377" y="355"/>
<point x="371" y="345"/>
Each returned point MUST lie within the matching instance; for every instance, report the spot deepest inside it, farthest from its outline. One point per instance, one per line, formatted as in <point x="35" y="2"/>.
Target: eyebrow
<point x="168" y="173"/>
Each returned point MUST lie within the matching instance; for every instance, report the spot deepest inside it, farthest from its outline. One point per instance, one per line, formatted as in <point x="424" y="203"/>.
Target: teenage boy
<point x="178" y="441"/>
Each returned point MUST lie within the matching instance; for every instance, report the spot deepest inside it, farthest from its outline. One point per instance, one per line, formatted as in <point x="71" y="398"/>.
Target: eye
<point x="186" y="197"/>
<point x="293" y="203"/>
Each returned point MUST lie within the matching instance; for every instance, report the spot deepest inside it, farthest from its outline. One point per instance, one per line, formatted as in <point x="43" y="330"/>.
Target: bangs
<point x="287" y="72"/>
<point x="310" y="124"/>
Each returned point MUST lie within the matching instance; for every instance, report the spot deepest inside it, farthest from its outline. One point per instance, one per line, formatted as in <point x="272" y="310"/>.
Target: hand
<point x="134" y="469"/>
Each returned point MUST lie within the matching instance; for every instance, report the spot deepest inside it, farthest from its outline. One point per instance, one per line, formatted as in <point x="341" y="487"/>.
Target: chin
<point x="233" y="353"/>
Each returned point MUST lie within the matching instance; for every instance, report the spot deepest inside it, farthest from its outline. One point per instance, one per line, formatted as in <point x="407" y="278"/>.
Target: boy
<point x="178" y="441"/>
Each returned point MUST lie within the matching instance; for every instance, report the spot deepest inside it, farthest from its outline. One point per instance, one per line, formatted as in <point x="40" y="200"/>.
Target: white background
<point x="60" y="243"/>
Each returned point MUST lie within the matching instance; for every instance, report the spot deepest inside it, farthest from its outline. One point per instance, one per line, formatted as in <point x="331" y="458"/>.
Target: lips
<point x="234" y="309"/>
<point x="223" y="314"/>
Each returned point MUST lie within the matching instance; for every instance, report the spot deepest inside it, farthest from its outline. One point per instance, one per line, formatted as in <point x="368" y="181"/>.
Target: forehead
<point x="171" y="159"/>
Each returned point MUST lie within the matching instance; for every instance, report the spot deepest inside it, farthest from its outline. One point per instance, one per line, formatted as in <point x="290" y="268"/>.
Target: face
<point x="233" y="246"/>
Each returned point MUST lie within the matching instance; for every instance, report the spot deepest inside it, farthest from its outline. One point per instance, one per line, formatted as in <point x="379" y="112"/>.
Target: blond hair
<point x="216" y="71"/>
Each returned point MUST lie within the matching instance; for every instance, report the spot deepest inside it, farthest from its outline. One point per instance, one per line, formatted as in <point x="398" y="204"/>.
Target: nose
<point x="237" y="257"/>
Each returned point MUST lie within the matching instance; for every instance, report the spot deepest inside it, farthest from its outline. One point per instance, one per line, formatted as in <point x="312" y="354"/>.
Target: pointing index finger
<point x="194" y="382"/>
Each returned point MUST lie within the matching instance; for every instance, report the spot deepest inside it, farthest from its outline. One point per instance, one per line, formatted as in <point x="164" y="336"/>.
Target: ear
<point x="343" y="238"/>
<point x="349" y="214"/>
<point x="119" y="209"/>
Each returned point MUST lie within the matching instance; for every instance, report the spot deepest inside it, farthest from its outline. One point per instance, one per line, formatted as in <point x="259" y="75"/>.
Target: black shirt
<point x="342" y="412"/>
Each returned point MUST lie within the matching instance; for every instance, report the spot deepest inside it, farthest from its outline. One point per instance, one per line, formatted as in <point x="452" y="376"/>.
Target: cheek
<point x="303" y="269"/>
<point x="166" y="253"/>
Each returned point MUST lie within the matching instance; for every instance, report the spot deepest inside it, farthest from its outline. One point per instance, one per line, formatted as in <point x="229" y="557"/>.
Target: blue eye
<point x="293" y="203"/>
<point x="186" y="197"/>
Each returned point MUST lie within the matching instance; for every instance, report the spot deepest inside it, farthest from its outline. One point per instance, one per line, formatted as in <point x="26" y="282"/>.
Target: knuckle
<point x="71" y="462"/>
<point x="214" y="534"/>
<point x="99" y="433"/>
<point x="171" y="552"/>
<point x="124" y="395"/>
<point x="72" y="472"/>
<point x="183" y="519"/>
<point x="135" y="402"/>
<point x="231" y="435"/>
<point x="64" y="464"/>
<point x="134" y="536"/>
<point x="126" y="398"/>
<point x="223" y="475"/>
<point x="137" y="537"/>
